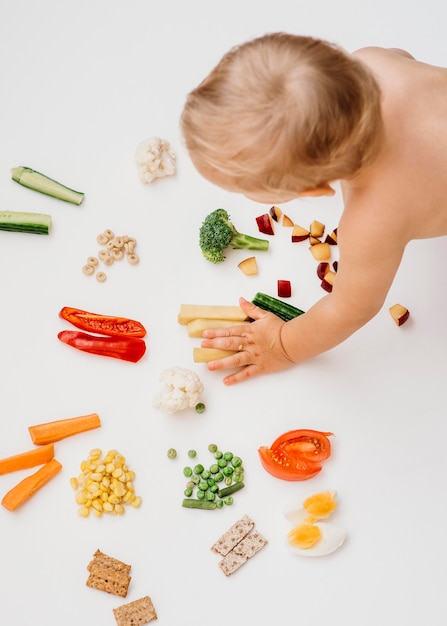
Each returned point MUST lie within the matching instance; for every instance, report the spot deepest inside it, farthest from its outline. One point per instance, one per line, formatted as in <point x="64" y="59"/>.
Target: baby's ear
<point x="322" y="190"/>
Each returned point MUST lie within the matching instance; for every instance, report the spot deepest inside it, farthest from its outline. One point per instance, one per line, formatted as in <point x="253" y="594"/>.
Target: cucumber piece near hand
<point x="19" y="221"/>
<point x="273" y="305"/>
<point x="39" y="182"/>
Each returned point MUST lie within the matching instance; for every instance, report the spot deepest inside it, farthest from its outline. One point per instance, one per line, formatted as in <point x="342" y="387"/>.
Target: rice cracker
<point x="140" y="611"/>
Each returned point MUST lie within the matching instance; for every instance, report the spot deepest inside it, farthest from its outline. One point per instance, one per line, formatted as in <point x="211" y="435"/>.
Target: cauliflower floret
<point x="154" y="159"/>
<point x="182" y="389"/>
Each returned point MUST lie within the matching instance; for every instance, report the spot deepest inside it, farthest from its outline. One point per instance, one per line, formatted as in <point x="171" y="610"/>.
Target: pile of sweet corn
<point x="105" y="484"/>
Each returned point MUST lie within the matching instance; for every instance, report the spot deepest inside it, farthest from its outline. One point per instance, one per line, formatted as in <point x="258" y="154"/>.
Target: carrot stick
<point x="30" y="458"/>
<point x="26" y="488"/>
<point x="49" y="432"/>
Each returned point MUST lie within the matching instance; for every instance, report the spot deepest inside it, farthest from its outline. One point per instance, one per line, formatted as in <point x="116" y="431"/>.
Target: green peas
<point x="227" y="471"/>
<point x="212" y="448"/>
<point x="206" y="474"/>
<point x="200" y="407"/>
<point x="236" y="461"/>
<point x="195" y="479"/>
<point x="218" y="477"/>
<point x="210" y="495"/>
<point x="192" y="454"/>
<point x="219" y="504"/>
<point x="218" y="454"/>
<point x="214" y="468"/>
<point x="229" y="500"/>
<point x="188" y="492"/>
<point x="200" y="494"/>
<point x="214" y="488"/>
<point x="203" y="485"/>
<point x="228" y="480"/>
<point x="221" y="463"/>
<point x="187" y="471"/>
<point x="210" y="482"/>
<point x="198" y="469"/>
<point x="228" y="456"/>
<point x="172" y="453"/>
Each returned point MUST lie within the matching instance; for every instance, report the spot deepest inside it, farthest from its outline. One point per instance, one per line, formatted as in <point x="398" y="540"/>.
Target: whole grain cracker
<point x="233" y="536"/>
<point x="250" y="544"/>
<point x="108" y="574"/>
<point x="140" y="611"/>
<point x="232" y="562"/>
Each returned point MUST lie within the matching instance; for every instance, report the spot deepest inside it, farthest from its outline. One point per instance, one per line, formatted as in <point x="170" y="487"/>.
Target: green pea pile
<point x="214" y="487"/>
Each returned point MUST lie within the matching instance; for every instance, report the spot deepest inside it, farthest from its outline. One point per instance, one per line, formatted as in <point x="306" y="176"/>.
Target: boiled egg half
<point x="309" y="536"/>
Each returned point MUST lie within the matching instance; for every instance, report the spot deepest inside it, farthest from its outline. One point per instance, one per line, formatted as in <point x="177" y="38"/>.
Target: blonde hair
<point x="284" y="113"/>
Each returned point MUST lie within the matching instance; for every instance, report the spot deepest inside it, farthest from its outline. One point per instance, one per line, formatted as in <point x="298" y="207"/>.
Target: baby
<point x="284" y="116"/>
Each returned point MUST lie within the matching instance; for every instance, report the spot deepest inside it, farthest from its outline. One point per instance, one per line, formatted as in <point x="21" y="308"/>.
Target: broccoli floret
<point x="218" y="233"/>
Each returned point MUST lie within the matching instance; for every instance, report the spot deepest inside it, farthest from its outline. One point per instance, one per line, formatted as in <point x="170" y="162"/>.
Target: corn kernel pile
<point x="105" y="484"/>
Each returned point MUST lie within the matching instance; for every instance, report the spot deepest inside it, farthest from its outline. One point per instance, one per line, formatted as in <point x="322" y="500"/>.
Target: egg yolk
<point x="320" y="505"/>
<point x="304" y="536"/>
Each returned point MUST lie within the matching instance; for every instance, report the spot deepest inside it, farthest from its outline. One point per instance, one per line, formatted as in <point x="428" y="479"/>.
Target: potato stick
<point x="189" y="312"/>
<point x="26" y="488"/>
<point x="30" y="458"/>
<point x="50" y="432"/>
<point x="196" y="327"/>
<point x="205" y="355"/>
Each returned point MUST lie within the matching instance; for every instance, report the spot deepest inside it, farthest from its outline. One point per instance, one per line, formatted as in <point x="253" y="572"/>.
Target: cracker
<point x="105" y="579"/>
<point x="233" y="536"/>
<point x="108" y="574"/>
<point x="232" y="562"/>
<point x="105" y="561"/>
<point x="250" y="544"/>
<point x="140" y="611"/>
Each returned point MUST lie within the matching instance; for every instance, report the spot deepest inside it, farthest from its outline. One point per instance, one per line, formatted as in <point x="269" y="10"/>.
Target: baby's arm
<point x="367" y="265"/>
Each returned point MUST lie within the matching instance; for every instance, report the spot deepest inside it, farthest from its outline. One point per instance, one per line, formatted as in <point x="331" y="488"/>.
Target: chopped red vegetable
<point x="110" y="325"/>
<point x="296" y="455"/>
<point x="284" y="289"/>
<point x="124" y="348"/>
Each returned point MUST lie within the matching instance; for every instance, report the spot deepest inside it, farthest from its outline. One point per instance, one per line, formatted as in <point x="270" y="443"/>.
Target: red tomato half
<point x="296" y="455"/>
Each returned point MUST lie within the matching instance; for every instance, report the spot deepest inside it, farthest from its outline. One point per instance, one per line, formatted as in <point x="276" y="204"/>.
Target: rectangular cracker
<point x="140" y="611"/>
<point x="233" y="536"/>
<point x="232" y="562"/>
<point x="108" y="562"/>
<point x="105" y="579"/>
<point x="250" y="544"/>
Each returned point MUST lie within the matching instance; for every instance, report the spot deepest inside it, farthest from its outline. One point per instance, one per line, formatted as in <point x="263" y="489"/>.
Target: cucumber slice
<point x="39" y="182"/>
<point x="19" y="221"/>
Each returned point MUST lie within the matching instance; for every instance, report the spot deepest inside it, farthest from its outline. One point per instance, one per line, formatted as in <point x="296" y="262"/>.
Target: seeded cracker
<point x="233" y="536"/>
<point x="140" y="611"/>
<point x="250" y="545"/>
<point x="108" y="574"/>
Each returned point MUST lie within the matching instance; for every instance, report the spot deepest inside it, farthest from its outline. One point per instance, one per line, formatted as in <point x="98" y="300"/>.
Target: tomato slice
<point x="296" y="454"/>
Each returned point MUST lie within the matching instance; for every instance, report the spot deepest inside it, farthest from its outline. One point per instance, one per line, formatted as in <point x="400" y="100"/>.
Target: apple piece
<point x="321" y="251"/>
<point x="249" y="266"/>
<point x="399" y="313"/>
<point x="286" y="221"/>
<point x="316" y="229"/>
<point x="313" y="240"/>
<point x="284" y="288"/>
<point x="322" y="269"/>
<point x="299" y="233"/>
<point x="265" y="224"/>
<point x="328" y="281"/>
<point x="332" y="238"/>
<point x="276" y="213"/>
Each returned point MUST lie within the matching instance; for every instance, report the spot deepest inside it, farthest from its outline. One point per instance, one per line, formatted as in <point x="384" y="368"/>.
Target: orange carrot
<point x="26" y="488"/>
<point x="24" y="460"/>
<point x="60" y="429"/>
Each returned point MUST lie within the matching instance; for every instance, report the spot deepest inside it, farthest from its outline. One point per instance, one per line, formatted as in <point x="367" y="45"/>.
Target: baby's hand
<point x="257" y="345"/>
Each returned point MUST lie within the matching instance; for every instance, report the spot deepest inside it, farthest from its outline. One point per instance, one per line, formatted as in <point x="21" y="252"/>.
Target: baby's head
<point x="283" y="114"/>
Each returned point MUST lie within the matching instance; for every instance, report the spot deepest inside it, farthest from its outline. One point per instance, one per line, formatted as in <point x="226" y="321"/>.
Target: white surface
<point x="82" y="83"/>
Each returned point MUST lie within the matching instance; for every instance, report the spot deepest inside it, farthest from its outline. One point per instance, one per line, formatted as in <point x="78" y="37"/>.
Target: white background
<point x="82" y="83"/>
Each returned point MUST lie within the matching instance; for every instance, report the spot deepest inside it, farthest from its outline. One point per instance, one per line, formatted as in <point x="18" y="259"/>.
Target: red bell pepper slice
<point x="124" y="348"/>
<point x="110" y="325"/>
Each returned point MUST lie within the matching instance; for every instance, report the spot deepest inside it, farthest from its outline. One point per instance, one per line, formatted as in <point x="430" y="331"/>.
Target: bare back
<point x="407" y="185"/>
